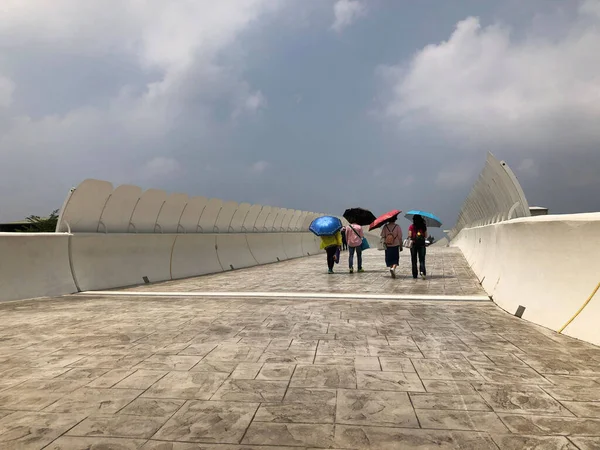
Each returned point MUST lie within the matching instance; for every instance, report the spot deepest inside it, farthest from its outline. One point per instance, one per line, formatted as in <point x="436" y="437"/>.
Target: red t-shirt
<point x="413" y="233"/>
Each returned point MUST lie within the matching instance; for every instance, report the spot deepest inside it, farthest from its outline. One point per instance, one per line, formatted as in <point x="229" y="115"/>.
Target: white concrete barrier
<point x="34" y="265"/>
<point x="292" y="245"/>
<point x="125" y="236"/>
<point x="233" y="251"/>
<point x="193" y="255"/>
<point x="52" y="264"/>
<point x="548" y="264"/>
<point x="266" y="248"/>
<point x="310" y="244"/>
<point x="103" y="261"/>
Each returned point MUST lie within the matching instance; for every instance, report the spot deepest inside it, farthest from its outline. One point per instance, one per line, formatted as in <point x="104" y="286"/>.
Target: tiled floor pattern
<point x="448" y="274"/>
<point x="249" y="374"/>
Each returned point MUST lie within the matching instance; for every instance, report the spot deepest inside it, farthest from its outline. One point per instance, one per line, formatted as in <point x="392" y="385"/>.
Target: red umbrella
<point x="385" y="218"/>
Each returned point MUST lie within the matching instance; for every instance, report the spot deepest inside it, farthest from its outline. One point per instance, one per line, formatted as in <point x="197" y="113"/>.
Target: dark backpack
<point x="419" y="240"/>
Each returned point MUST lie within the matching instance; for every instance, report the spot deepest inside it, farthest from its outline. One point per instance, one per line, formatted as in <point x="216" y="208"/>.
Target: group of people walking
<point x="351" y="237"/>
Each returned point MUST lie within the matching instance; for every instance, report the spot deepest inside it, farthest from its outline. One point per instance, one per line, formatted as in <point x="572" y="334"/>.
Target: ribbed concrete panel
<point x="84" y="207"/>
<point x="191" y="214"/>
<point x="281" y="215"/>
<point x="496" y="196"/>
<point x="118" y="210"/>
<point x="251" y="218"/>
<point x="270" y="220"/>
<point x="170" y="213"/>
<point x="237" y="221"/>
<point x="259" y="225"/>
<point x="145" y="214"/>
<point x="208" y="219"/>
<point x="225" y="216"/>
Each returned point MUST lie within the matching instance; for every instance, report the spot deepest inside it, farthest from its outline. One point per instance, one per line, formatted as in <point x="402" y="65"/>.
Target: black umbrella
<point x="359" y="216"/>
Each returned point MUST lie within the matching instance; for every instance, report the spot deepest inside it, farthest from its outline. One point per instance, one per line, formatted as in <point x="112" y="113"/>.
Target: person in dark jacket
<point x="344" y="239"/>
<point x="417" y="233"/>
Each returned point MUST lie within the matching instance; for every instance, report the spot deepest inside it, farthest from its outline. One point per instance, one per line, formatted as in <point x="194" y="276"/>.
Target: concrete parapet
<point x="34" y="265"/>
<point x="547" y="264"/>
<point x="50" y="264"/>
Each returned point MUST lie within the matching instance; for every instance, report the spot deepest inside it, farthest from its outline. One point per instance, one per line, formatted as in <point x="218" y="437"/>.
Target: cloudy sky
<point x="307" y="104"/>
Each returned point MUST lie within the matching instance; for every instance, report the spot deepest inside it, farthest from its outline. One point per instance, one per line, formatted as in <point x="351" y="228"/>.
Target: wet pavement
<point x="448" y="273"/>
<point x="164" y="372"/>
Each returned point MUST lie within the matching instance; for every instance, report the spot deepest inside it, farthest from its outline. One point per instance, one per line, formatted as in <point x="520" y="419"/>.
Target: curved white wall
<point x="496" y="196"/>
<point x="102" y="261"/>
<point x="126" y="236"/>
<point x="193" y="255"/>
<point x="548" y="264"/>
<point x="34" y="265"/>
<point x="51" y="264"/>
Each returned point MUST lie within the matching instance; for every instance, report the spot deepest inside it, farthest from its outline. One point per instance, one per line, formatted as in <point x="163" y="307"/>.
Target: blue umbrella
<point x="431" y="220"/>
<point x="325" y="226"/>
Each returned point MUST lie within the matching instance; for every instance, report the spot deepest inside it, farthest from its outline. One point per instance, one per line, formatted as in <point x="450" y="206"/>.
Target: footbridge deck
<point x="285" y="356"/>
<point x="449" y="276"/>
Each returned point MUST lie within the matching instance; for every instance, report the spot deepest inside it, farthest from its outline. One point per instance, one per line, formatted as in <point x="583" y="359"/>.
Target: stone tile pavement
<point x="89" y="371"/>
<point x="209" y="373"/>
<point x="448" y="274"/>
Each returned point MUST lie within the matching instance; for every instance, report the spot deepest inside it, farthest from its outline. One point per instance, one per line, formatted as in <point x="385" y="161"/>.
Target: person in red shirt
<point x="417" y="233"/>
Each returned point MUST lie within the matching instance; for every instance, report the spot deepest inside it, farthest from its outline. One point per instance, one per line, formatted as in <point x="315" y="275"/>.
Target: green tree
<point x="39" y="224"/>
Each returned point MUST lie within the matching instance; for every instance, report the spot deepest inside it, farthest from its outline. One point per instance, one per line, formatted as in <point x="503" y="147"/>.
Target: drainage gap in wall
<point x="146" y="280"/>
<point x="278" y="259"/>
<point x="520" y="311"/>
<point x="231" y="265"/>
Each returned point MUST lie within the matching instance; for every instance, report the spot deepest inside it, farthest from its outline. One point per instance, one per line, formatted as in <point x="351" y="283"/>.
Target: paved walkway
<point x="448" y="274"/>
<point x="269" y="373"/>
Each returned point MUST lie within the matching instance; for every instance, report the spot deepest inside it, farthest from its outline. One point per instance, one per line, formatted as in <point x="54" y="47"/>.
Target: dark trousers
<point x="392" y="256"/>
<point x="344" y="244"/>
<point x="330" y="256"/>
<point x="418" y="251"/>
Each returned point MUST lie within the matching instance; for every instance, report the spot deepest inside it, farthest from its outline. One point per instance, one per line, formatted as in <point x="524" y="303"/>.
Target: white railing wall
<point x="544" y="269"/>
<point x="496" y="196"/>
<point x="114" y="237"/>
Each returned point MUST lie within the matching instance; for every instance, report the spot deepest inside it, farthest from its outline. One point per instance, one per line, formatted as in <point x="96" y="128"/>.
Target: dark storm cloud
<point x="299" y="104"/>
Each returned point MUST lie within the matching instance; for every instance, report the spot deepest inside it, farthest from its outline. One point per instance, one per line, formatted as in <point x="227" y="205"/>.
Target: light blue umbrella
<point x="431" y="220"/>
<point x="325" y="226"/>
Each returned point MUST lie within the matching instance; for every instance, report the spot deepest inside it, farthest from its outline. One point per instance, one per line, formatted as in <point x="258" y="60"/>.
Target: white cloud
<point x="260" y="166"/>
<point x="484" y="86"/>
<point x="156" y="32"/>
<point x="255" y="101"/>
<point x="183" y="82"/>
<point x="346" y="12"/>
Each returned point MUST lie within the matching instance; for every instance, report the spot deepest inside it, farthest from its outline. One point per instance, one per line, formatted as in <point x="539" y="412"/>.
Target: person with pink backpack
<point x="355" y="236"/>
